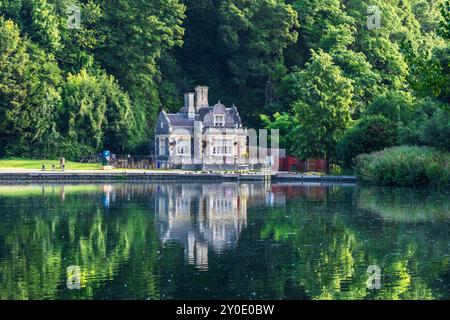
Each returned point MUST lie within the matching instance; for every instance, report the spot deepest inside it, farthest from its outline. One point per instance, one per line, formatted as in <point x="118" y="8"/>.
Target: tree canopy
<point x="100" y="83"/>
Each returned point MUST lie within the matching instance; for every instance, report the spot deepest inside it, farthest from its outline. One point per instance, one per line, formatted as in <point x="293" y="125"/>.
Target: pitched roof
<point x="233" y="112"/>
<point x="180" y="120"/>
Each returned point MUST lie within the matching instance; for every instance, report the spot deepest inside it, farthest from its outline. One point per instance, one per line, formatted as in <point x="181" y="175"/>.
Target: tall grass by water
<point x="405" y="166"/>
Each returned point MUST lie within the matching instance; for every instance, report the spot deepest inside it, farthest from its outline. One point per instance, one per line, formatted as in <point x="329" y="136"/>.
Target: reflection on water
<point x="202" y="216"/>
<point x="222" y="240"/>
<point x="406" y="205"/>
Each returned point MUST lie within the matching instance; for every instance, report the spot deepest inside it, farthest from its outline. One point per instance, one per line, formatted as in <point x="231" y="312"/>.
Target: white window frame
<point x="217" y="122"/>
<point x="162" y="146"/>
<point x="183" y="146"/>
<point x="222" y="147"/>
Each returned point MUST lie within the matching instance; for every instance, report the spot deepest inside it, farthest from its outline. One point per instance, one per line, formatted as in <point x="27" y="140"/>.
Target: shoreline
<point x="149" y="175"/>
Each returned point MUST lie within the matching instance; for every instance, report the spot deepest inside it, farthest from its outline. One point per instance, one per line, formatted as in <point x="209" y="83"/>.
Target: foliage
<point x="254" y="53"/>
<point x="254" y="34"/>
<point x="393" y="105"/>
<point x="335" y="170"/>
<point x="323" y="107"/>
<point x="405" y="166"/>
<point x="96" y="106"/>
<point x="445" y="22"/>
<point x="58" y="87"/>
<point x="428" y="125"/>
<point x="136" y="33"/>
<point x="371" y="133"/>
<point x="288" y="127"/>
<point x="435" y="131"/>
<point x="29" y="97"/>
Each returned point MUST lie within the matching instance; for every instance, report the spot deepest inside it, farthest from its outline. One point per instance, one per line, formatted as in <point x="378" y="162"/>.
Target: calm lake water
<point x="222" y="241"/>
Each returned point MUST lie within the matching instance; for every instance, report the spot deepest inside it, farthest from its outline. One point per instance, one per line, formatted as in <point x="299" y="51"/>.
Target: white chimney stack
<point x="189" y="104"/>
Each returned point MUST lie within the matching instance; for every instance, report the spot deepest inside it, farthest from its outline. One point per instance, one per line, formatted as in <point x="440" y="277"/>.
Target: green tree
<point x="396" y="106"/>
<point x="253" y="35"/>
<point x="45" y="25"/>
<point x="29" y="99"/>
<point x="323" y="107"/>
<point x="97" y="113"/>
<point x="289" y="127"/>
<point x="372" y="58"/>
<point x="435" y="131"/>
<point x="372" y="133"/>
<point x="445" y="21"/>
<point x="136" y="33"/>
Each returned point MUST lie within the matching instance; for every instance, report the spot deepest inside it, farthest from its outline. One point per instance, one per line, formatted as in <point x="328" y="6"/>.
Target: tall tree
<point x="97" y="112"/>
<point x="29" y="99"/>
<point x="254" y="34"/>
<point x="323" y="107"/>
<point x="136" y="33"/>
<point x="445" y="21"/>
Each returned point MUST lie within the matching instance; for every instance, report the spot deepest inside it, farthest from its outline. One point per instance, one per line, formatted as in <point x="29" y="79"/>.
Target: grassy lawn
<point x="37" y="164"/>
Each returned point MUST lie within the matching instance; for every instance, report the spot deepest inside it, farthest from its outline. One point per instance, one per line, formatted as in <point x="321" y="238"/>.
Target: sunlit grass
<point x="37" y="164"/>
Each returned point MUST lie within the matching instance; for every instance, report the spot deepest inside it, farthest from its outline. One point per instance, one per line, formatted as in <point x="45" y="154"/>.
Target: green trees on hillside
<point x="73" y="91"/>
<point x="394" y="70"/>
<point x="29" y="96"/>
<point x="137" y="56"/>
<point x="253" y="35"/>
<point x="136" y="33"/>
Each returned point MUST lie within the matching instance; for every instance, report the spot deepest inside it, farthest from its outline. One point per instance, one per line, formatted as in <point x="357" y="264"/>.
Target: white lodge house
<point x="201" y="136"/>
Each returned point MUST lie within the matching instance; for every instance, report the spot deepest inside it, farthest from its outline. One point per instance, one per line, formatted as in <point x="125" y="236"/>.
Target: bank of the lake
<point x="162" y="175"/>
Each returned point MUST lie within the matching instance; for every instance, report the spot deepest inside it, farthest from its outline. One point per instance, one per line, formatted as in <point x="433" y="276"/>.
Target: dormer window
<point x="219" y="120"/>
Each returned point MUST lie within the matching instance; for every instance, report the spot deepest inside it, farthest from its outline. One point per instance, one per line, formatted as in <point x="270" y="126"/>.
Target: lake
<point x="223" y="241"/>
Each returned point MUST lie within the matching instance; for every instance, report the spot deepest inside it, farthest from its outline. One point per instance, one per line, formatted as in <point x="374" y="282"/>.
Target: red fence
<point x="293" y="164"/>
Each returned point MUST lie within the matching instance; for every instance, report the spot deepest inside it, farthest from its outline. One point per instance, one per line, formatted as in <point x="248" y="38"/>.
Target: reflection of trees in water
<point x="106" y="230"/>
<point x="406" y="205"/>
<point x="317" y="245"/>
<point x="38" y="244"/>
<point x="333" y="244"/>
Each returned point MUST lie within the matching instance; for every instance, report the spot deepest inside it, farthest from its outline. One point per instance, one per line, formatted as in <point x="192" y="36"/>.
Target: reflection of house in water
<point x="206" y="217"/>
<point x="203" y="217"/>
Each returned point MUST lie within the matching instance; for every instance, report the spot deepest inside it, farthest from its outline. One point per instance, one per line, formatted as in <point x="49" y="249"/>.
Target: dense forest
<point x="316" y="69"/>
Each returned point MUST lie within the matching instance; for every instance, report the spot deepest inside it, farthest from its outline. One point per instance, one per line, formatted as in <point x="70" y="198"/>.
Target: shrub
<point x="372" y="133"/>
<point x="435" y="131"/>
<point x="335" y="170"/>
<point x="405" y="166"/>
<point x="429" y="126"/>
<point x="394" y="105"/>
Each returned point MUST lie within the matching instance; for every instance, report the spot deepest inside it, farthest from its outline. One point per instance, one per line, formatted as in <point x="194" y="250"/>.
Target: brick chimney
<point x="201" y="97"/>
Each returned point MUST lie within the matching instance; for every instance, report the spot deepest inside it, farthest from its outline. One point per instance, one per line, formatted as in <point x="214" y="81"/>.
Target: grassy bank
<point x="37" y="164"/>
<point x="405" y="166"/>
